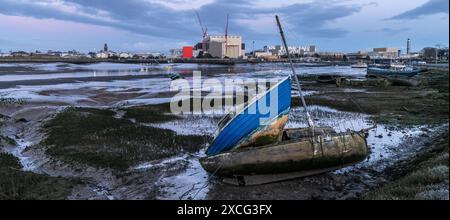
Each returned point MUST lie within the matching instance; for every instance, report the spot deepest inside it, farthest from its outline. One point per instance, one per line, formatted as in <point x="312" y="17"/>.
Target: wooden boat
<point x="301" y="152"/>
<point x="404" y="81"/>
<point x="251" y="127"/>
<point x="247" y="153"/>
<point x="327" y="79"/>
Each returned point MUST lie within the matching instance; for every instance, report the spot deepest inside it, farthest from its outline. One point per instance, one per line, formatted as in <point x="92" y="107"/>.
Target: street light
<point x="438" y="47"/>
<point x="253" y="48"/>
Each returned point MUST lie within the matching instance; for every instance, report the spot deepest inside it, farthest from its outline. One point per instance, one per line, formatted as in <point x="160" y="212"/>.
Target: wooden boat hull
<point x="404" y="81"/>
<point x="314" y="153"/>
<point x="250" y="180"/>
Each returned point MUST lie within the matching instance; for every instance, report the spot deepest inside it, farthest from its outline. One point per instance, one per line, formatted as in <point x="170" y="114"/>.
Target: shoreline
<point x="216" y="61"/>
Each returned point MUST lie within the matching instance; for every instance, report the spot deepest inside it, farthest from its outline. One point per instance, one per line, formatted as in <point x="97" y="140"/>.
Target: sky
<point x="160" y="25"/>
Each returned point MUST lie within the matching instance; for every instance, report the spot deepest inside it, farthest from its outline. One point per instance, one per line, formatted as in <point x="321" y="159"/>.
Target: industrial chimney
<point x="408" y="46"/>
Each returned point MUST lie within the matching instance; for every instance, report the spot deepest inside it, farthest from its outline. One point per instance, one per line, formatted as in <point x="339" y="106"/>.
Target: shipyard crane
<point x="226" y="37"/>
<point x="204" y="31"/>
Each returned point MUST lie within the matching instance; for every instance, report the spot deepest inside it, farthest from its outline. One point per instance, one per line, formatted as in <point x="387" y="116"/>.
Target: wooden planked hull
<point x="315" y="153"/>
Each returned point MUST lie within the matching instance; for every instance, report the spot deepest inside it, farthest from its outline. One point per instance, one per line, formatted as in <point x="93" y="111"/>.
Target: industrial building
<point x="188" y="52"/>
<point x="221" y="46"/>
<point x="384" y="53"/>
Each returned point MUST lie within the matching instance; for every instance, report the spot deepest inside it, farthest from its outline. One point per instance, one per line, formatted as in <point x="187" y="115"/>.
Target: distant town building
<point x="384" y="53"/>
<point x="5" y="54"/>
<point x="221" y="47"/>
<point x="125" y="55"/>
<point x="102" y="55"/>
<point x="324" y="55"/>
<point x="20" y="54"/>
<point x="175" y="53"/>
<point x="54" y="53"/>
<point x="360" y="55"/>
<point x="105" y="48"/>
<point x="278" y="50"/>
<point x="262" y="54"/>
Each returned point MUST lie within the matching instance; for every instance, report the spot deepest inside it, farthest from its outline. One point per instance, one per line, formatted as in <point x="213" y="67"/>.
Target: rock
<point x="22" y="120"/>
<point x="425" y="129"/>
<point x="379" y="136"/>
<point x="424" y="135"/>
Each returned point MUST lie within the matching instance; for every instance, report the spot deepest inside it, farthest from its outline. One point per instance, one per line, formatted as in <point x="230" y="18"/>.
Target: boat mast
<point x="308" y="116"/>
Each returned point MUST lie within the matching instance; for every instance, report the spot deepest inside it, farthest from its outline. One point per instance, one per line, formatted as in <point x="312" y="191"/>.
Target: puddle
<point x="27" y="162"/>
<point x="192" y="183"/>
<point x="191" y="125"/>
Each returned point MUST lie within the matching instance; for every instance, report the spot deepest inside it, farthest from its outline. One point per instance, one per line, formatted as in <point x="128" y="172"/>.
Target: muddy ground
<point x="144" y="152"/>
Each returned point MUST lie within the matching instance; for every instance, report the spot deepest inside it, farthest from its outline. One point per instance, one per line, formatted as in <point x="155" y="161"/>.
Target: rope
<point x="208" y="180"/>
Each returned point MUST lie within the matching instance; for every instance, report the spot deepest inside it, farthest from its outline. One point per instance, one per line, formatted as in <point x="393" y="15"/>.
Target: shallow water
<point x="150" y="80"/>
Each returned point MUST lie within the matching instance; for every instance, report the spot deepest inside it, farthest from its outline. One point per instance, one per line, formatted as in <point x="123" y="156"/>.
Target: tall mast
<point x="294" y="75"/>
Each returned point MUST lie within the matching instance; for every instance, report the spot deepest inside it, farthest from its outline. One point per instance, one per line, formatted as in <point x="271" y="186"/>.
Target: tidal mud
<point x="112" y="136"/>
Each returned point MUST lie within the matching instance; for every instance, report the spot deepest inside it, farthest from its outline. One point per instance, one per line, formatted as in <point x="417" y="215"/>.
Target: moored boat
<point x="407" y="71"/>
<point x="360" y="65"/>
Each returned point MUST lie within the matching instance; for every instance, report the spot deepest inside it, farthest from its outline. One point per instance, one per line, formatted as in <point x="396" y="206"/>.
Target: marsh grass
<point x="17" y="184"/>
<point x="96" y="138"/>
<point x="395" y="105"/>
<point x="149" y="113"/>
<point x="428" y="178"/>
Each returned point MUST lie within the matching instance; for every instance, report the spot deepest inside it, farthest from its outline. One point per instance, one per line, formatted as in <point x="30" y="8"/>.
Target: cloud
<point x="315" y="20"/>
<point x="429" y="8"/>
<point x="164" y="19"/>
<point x="394" y="31"/>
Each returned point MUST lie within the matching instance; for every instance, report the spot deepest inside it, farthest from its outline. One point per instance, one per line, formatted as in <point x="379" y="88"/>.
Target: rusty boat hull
<point x="321" y="152"/>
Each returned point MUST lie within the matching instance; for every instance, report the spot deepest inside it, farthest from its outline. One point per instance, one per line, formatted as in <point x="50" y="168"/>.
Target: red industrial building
<point x="187" y="52"/>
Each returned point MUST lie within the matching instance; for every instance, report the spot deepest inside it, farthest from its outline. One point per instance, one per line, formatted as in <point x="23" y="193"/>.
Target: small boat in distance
<point x="361" y="65"/>
<point x="394" y="70"/>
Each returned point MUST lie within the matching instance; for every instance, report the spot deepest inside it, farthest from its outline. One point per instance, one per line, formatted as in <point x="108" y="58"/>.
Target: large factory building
<point x="222" y="47"/>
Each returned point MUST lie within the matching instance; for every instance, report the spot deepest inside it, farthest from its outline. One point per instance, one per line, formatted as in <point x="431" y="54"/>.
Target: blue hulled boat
<point x="393" y="71"/>
<point x="251" y="149"/>
<point x="249" y="127"/>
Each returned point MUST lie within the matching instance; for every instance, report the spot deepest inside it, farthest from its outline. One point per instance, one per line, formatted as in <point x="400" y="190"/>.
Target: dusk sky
<point x="159" y="25"/>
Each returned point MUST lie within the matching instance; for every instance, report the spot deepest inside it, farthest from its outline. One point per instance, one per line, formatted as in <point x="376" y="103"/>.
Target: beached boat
<point x="360" y="65"/>
<point x="301" y="152"/>
<point x="407" y="71"/>
<point x="327" y="79"/>
<point x="247" y="152"/>
<point x="251" y="127"/>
